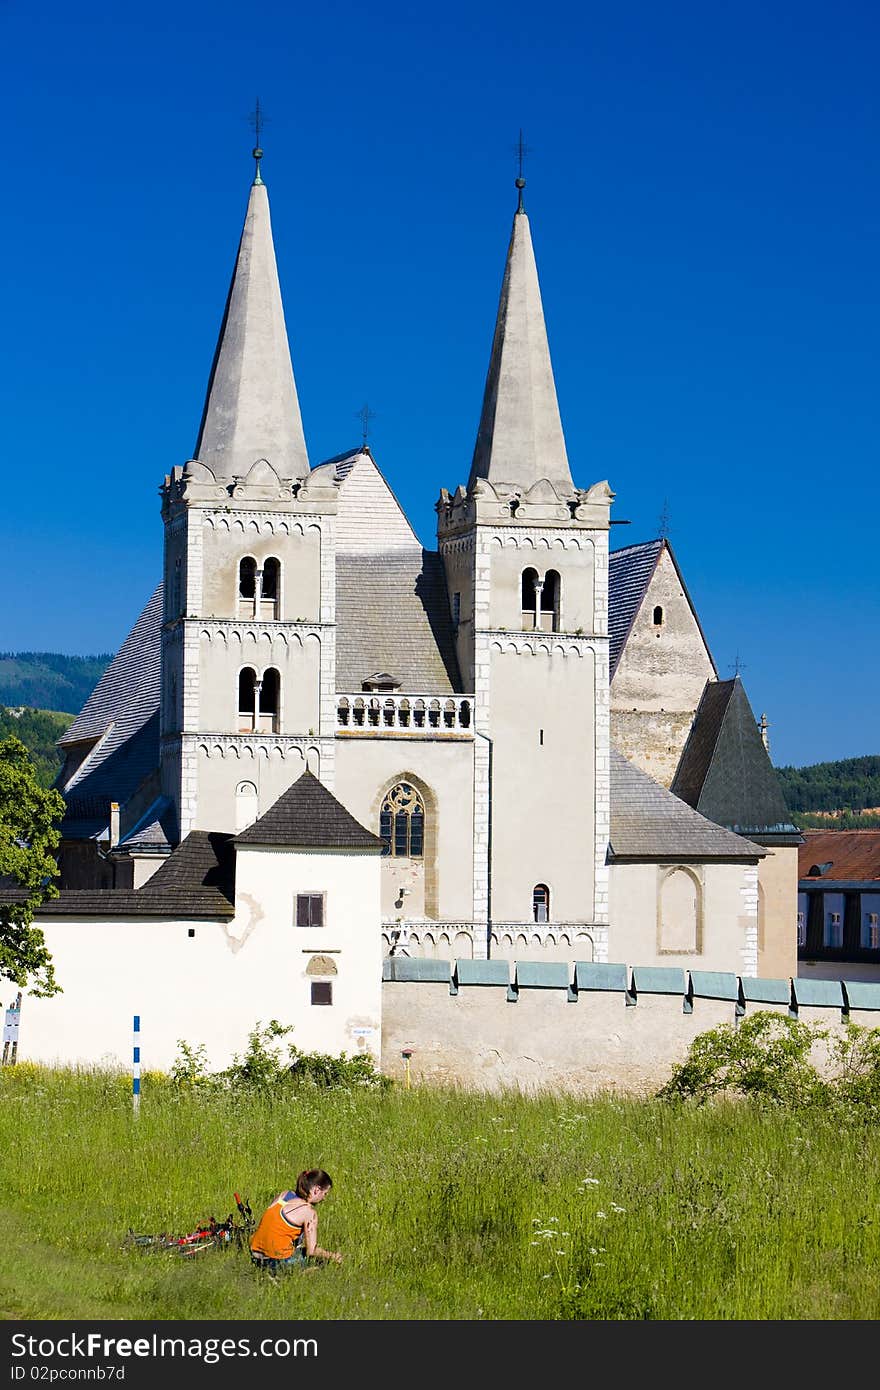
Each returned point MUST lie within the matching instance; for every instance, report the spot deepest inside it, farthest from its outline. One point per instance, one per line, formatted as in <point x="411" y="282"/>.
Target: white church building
<point x="322" y="744"/>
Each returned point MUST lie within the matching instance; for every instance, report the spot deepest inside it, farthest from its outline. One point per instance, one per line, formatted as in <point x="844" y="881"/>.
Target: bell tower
<point x="526" y="559"/>
<point x="248" y="634"/>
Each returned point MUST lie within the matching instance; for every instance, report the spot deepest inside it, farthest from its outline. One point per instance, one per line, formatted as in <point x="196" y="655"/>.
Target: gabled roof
<point x="725" y="771"/>
<point x="630" y="571"/>
<point x="520" y="439"/>
<point x="252" y="410"/>
<point x="851" y="856"/>
<point x="392" y="614"/>
<point x="649" y="822"/>
<point x="308" y="816"/>
<point x="155" y="832"/>
<point x="368" y="515"/>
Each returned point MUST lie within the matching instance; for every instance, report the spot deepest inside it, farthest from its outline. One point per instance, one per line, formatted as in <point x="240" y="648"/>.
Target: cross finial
<point x="257" y="120"/>
<point x="520" y="149"/>
<point x="365" y="415"/>
<point x="737" y="666"/>
<point x="663" y="521"/>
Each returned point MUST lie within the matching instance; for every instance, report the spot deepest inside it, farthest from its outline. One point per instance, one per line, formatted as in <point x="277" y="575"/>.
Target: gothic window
<point x="310" y="909"/>
<point x="541" y="902"/>
<point x="247" y="694"/>
<point x="246" y="805"/>
<point x="247" y="587"/>
<point x="270" y="701"/>
<point x="402" y="822"/>
<point x="270" y="589"/>
<point x="680" y="927"/>
<point x="529" y="600"/>
<point x="658" y="616"/>
<point x="550" y="593"/>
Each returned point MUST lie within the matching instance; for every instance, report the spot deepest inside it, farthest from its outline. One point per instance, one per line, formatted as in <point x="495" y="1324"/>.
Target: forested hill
<point x="49" y="680"/>
<point x="39" y="731"/>
<point x="852" y="785"/>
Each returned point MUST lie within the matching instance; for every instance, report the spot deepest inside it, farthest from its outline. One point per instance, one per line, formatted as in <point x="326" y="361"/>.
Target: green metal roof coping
<point x="481" y="972"/>
<point x="757" y="991"/>
<point x="825" y="994"/>
<point x="542" y="974"/>
<point x="862" y="994"/>
<point x="416" y="968"/>
<point x="602" y="975"/>
<point x="658" y="979"/>
<point x="714" y="984"/>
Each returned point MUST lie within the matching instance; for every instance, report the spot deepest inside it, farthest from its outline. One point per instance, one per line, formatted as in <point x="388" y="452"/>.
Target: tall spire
<point x="520" y="438"/>
<point x="252" y="411"/>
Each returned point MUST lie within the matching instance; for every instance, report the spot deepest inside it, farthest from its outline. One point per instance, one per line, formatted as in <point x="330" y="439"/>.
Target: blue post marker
<point x="136" y="1066"/>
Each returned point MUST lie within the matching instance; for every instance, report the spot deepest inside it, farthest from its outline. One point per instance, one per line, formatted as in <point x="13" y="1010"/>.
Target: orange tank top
<point x="275" y="1236"/>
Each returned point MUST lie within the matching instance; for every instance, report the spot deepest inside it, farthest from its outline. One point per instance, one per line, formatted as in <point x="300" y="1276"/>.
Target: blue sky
<point x="705" y="205"/>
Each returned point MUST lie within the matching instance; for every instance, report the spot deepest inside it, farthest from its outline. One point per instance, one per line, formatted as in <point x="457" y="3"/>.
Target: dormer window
<point x="381" y="681"/>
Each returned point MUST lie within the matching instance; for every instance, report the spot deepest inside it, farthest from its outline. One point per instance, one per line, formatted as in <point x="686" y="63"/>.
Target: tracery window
<point x="402" y="822"/>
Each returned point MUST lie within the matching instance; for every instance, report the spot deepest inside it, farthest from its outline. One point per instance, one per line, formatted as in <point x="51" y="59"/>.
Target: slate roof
<point x="649" y="822"/>
<point x="630" y="571"/>
<point x="392" y="614"/>
<point x="197" y="880"/>
<point x="122" y="713"/>
<point x="725" y="771"/>
<point x="155" y="831"/>
<point x="853" y="856"/>
<point x="307" y="816"/>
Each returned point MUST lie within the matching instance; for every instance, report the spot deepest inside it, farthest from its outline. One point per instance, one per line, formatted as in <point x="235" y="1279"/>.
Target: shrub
<point x="263" y="1068"/>
<point x="766" y="1056"/>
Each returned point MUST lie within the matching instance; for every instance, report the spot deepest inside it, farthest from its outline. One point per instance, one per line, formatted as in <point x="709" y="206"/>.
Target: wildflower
<point x="590" y="1182"/>
<point x="602" y="1215"/>
<point x="615" y="1207"/>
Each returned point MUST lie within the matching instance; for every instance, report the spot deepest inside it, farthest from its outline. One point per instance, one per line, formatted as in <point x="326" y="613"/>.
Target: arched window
<point x="402" y="822"/>
<point x="541" y="902"/>
<point x="247" y="587"/>
<point x="529" y="600"/>
<point x="550" y="594"/>
<point x="270" y="589"/>
<point x="246" y="805"/>
<point x="247" y="694"/>
<point x="270" y="702"/>
<point x="658" y="616"/>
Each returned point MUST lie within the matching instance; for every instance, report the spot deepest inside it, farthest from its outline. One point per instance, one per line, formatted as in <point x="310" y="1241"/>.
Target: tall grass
<point x="446" y="1204"/>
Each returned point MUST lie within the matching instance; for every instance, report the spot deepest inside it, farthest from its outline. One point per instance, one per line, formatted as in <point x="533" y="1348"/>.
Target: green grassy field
<point x="446" y="1205"/>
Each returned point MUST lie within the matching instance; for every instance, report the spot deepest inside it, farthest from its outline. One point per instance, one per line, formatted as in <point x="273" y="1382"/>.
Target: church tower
<point x="248" y="636"/>
<point x="526" y="559"/>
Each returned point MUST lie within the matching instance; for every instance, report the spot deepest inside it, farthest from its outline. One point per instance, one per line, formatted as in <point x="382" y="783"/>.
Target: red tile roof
<point x="854" y="854"/>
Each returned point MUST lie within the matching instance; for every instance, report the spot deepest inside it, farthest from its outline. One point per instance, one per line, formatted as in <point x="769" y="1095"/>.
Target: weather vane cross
<point x="520" y="149"/>
<point x="663" y="521"/>
<point x="737" y="666"/>
<point x="365" y="415"/>
<point x="258" y="120"/>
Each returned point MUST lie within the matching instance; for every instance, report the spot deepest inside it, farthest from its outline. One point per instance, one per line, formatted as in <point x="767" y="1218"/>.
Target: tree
<point x="29" y="817"/>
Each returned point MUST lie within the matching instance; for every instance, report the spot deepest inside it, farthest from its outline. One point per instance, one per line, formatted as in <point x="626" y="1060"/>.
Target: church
<point x="518" y="740"/>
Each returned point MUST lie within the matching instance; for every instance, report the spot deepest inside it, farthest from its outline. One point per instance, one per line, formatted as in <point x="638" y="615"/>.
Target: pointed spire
<point x="520" y="438"/>
<point x="252" y="411"/>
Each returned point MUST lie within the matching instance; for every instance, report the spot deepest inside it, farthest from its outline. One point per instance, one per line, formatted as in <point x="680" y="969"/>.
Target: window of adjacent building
<point x="680" y="907"/>
<point x="541" y="902"/>
<point x="310" y="909"/>
<point x="270" y="589"/>
<point x="270" y="701"/>
<point x="871" y="937"/>
<point x="402" y="822"/>
<point x="247" y="695"/>
<point x="802" y="929"/>
<point x="658" y="616"/>
<point x="834" y="929"/>
<point x="322" y="991"/>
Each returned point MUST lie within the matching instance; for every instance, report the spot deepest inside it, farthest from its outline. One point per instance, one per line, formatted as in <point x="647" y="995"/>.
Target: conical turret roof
<point x="252" y="411"/>
<point x="520" y="439"/>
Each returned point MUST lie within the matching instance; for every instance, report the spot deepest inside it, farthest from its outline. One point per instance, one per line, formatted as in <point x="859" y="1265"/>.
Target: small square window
<point x="310" y="909"/>
<point x="322" y="992"/>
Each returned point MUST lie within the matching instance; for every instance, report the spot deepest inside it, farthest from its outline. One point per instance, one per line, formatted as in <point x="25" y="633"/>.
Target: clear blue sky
<point x="705" y="206"/>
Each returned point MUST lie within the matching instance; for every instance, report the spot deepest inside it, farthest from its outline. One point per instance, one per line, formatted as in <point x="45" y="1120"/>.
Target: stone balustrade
<point x="381" y="712"/>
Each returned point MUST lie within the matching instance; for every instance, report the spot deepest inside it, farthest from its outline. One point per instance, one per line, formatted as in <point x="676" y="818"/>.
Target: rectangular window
<point x="310" y="909"/>
<point x="834" y="930"/>
<point x="456" y="609"/>
<point x="322" y="992"/>
<point x="873" y="933"/>
<point x="801" y="929"/>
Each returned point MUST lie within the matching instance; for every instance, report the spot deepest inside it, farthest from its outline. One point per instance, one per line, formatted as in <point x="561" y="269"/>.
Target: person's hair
<point x="312" y="1177"/>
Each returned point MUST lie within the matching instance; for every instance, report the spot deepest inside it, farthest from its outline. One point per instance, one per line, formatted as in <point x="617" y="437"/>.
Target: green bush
<point x="263" y="1068"/>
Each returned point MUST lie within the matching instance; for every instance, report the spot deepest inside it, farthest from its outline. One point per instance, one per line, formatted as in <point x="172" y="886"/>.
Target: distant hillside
<point x="49" y="680"/>
<point x="848" y="787"/>
<point x="38" y="729"/>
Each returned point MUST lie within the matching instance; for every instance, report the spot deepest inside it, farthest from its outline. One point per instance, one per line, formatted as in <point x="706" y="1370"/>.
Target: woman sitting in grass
<point x="287" y="1233"/>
